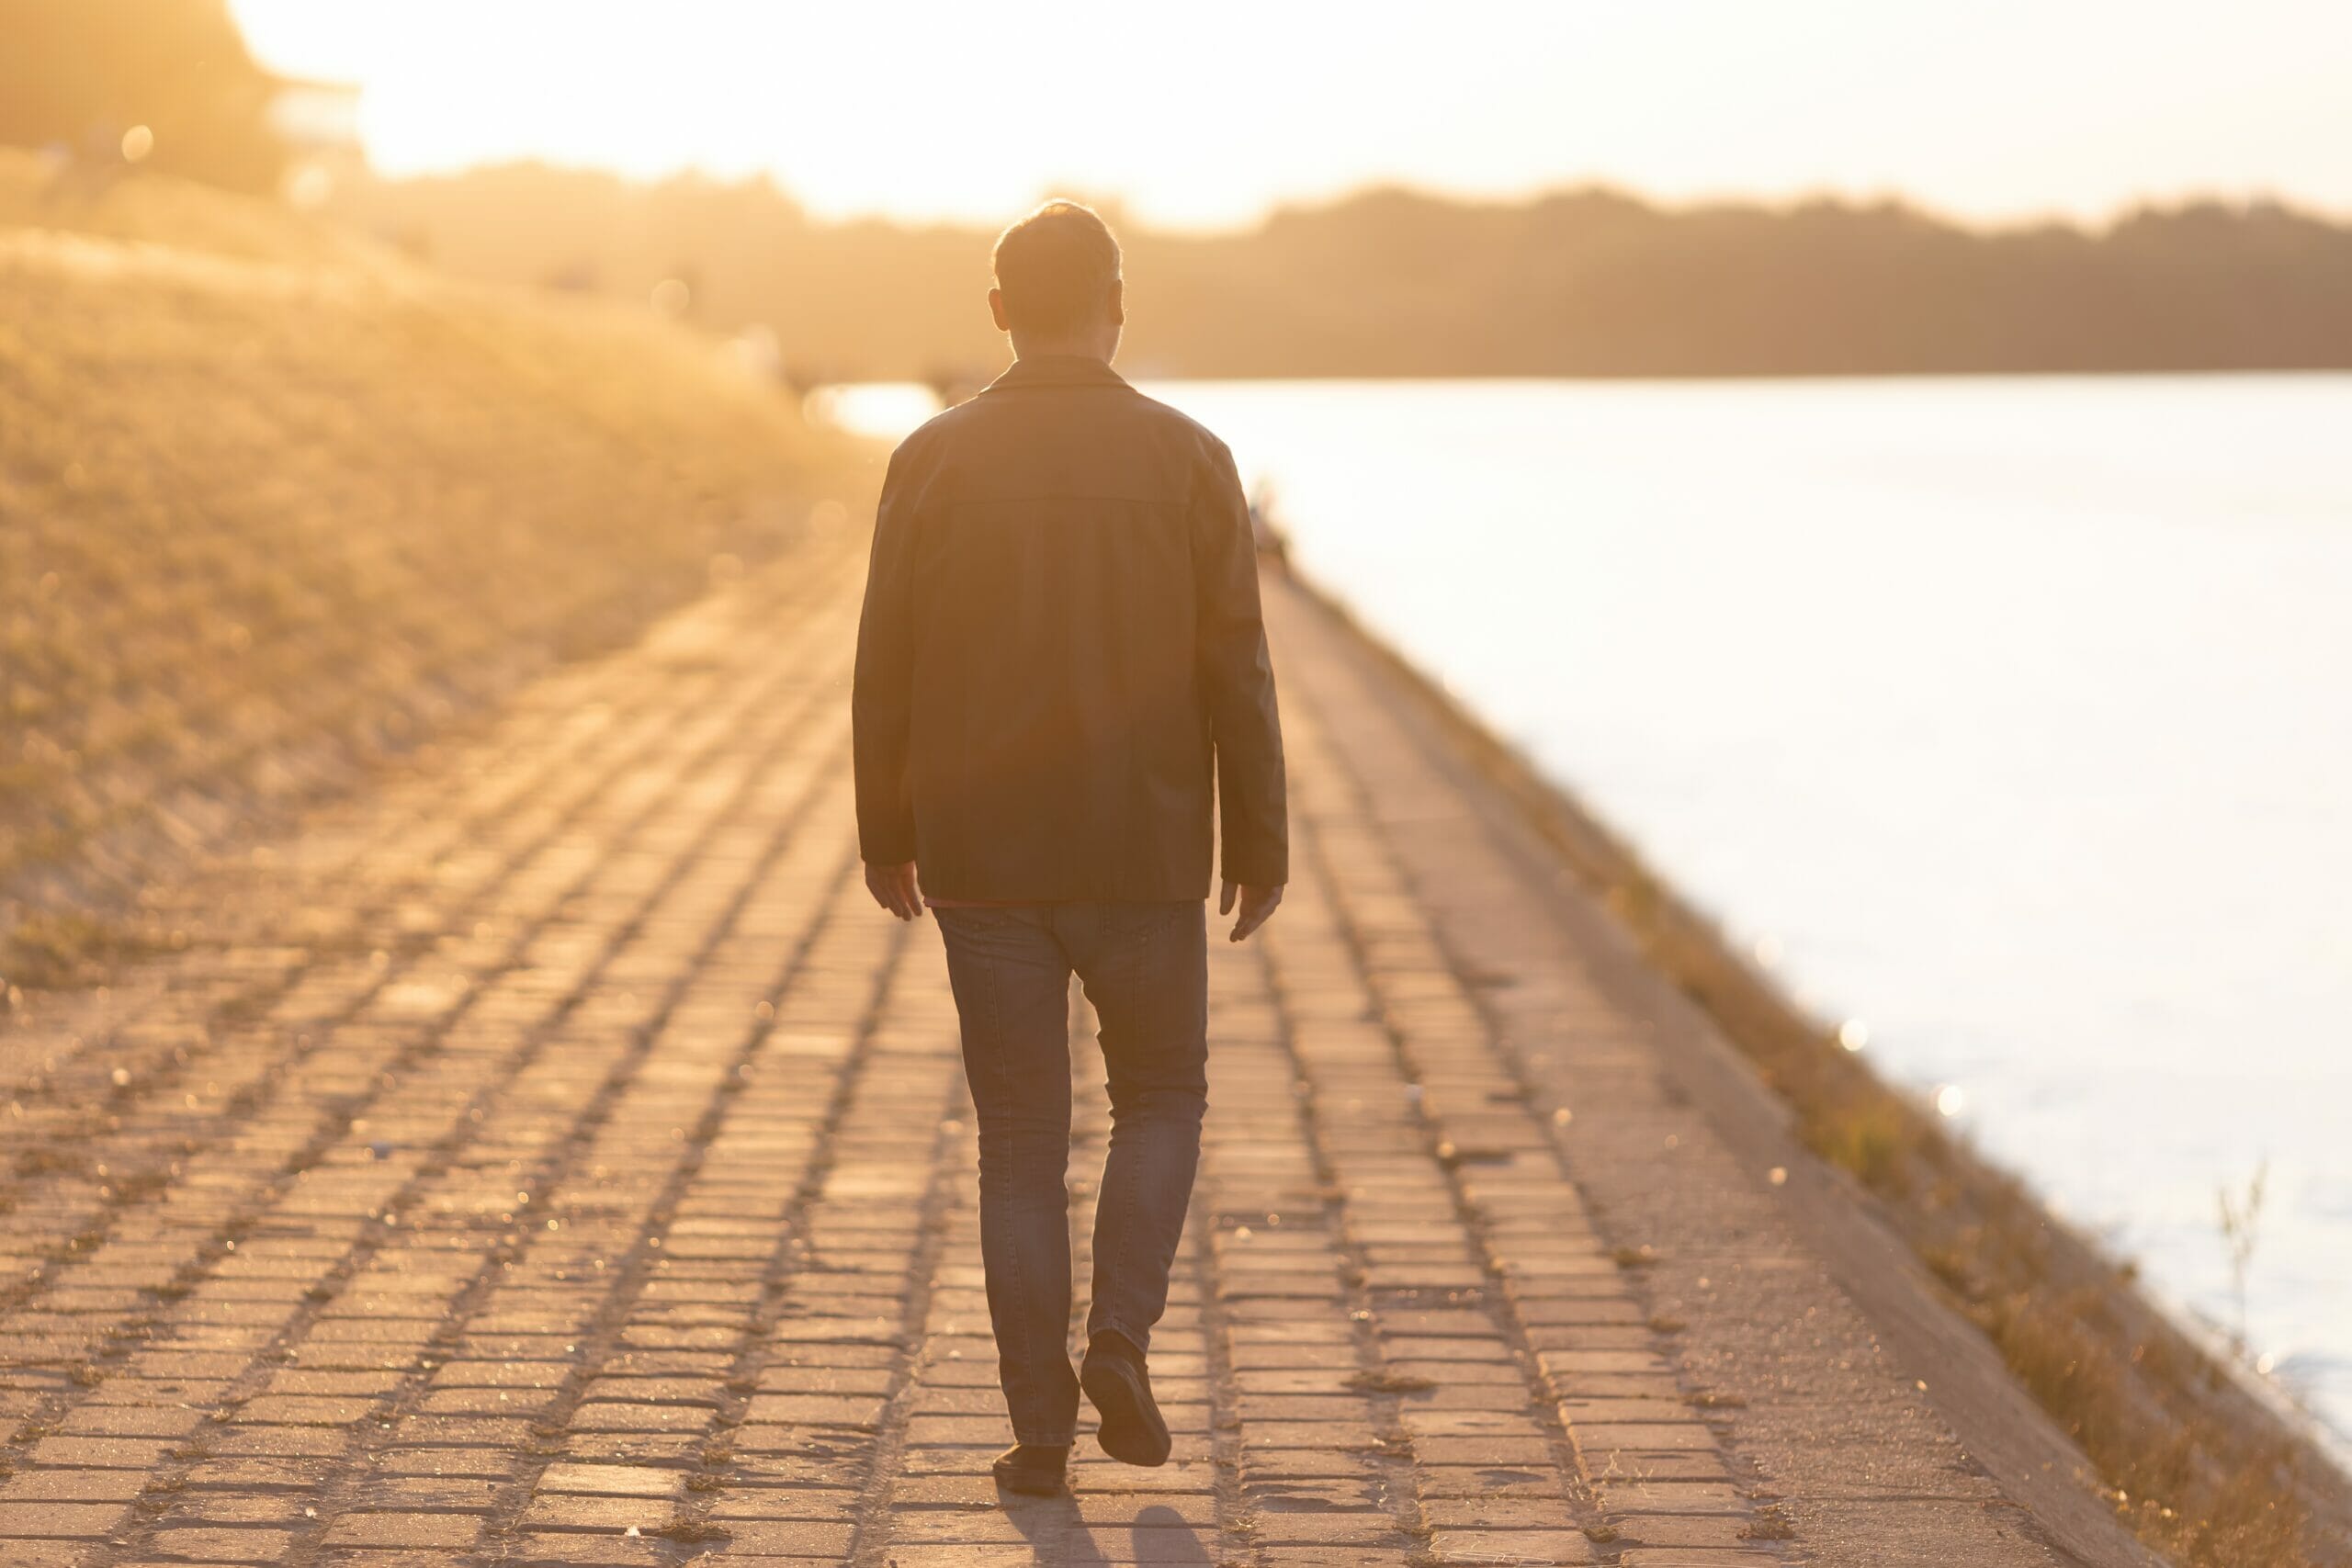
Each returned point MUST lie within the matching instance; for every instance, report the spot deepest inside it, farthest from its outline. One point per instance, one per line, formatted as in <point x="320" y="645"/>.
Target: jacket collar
<point x="1058" y="371"/>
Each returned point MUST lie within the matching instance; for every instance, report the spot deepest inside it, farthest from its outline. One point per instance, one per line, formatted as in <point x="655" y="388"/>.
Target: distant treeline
<point x="1586" y="282"/>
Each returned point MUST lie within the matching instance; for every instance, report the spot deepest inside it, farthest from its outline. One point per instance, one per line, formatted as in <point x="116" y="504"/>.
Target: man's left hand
<point x="894" y="888"/>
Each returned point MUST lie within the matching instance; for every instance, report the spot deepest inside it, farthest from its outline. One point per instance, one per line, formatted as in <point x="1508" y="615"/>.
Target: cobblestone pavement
<point x="553" y="1157"/>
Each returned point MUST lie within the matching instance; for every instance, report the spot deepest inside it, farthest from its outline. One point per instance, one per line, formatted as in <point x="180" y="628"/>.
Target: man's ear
<point x="1118" y="302"/>
<point x="996" y="309"/>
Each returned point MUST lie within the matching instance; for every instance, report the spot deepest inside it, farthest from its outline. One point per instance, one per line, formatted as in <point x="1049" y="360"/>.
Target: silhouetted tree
<point x="79" y="73"/>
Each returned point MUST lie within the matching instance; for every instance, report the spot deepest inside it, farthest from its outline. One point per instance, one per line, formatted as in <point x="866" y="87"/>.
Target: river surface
<point x="2008" y="718"/>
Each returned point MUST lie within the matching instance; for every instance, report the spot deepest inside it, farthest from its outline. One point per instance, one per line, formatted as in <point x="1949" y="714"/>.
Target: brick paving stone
<point x="34" y="1519"/>
<point x="233" y="1508"/>
<point x="1688" y="1530"/>
<point x="100" y="1453"/>
<point x="1515" y="1546"/>
<point x="223" y="1546"/>
<point x="131" y="1421"/>
<point x="317" y="1442"/>
<point x="606" y="1514"/>
<point x="1368" y="1526"/>
<point x="812" y="1503"/>
<point x="557" y="1144"/>
<point x="588" y="1552"/>
<point x="787" y="1538"/>
<point x="403" y="1529"/>
<point x="71" y="1486"/>
<point x="1496" y="1513"/>
<point x="27" y="1553"/>
<point x="611" y="1479"/>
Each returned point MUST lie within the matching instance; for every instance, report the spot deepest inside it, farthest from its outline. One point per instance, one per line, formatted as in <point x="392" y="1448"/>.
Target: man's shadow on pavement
<point x="1054" y="1531"/>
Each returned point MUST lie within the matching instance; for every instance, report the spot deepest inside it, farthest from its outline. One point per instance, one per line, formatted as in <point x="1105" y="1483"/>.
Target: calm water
<point x="2009" y="717"/>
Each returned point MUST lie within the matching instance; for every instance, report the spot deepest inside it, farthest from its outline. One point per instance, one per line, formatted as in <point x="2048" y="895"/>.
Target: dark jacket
<point x="1061" y="648"/>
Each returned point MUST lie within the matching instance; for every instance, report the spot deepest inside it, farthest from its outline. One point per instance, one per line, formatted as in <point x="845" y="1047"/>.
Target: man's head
<point x="1058" y="288"/>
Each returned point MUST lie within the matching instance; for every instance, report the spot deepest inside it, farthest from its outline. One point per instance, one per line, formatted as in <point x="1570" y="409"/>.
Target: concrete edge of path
<point x="2001" y="1426"/>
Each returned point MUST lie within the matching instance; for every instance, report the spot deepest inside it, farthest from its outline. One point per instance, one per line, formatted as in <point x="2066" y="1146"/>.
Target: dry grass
<point x="2197" y="1468"/>
<point x="2194" y="1465"/>
<point x="2201" y="1468"/>
<point x="272" y="503"/>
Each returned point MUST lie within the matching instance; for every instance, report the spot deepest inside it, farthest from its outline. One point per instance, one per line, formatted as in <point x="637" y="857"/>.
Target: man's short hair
<point x="1055" y="268"/>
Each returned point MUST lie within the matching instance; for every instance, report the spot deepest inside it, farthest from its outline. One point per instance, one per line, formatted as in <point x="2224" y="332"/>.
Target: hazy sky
<point x="1204" y="112"/>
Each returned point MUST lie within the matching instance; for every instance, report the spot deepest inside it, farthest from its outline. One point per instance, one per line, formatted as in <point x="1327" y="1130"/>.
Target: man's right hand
<point x="1257" y="905"/>
<point x="894" y="888"/>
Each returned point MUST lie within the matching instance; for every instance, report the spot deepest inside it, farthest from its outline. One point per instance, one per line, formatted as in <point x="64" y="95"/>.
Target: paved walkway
<point x="554" y="1158"/>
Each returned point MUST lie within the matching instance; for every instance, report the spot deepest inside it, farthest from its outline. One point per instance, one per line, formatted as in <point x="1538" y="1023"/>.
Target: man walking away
<point x="1061" y="670"/>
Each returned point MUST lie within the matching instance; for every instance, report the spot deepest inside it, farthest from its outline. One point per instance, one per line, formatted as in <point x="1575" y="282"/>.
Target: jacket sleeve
<point x="1238" y="680"/>
<point x="882" y="694"/>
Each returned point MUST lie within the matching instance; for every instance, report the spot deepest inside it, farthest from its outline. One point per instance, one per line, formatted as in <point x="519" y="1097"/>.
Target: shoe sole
<point x="1131" y="1430"/>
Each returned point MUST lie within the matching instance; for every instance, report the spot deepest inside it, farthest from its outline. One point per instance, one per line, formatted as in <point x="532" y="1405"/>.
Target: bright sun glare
<point x="1208" y="113"/>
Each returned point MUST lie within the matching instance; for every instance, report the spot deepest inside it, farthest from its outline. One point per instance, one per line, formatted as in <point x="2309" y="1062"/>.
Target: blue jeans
<point x="1145" y="968"/>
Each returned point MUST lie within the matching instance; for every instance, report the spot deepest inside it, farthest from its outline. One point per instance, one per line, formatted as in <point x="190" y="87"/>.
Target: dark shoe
<point x="1031" y="1470"/>
<point x="1113" y="1376"/>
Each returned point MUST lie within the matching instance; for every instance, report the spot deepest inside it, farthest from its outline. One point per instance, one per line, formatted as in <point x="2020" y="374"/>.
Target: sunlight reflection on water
<point x="885" y="408"/>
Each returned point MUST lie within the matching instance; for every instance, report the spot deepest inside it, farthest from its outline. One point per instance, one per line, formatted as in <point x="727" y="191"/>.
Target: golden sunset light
<point x="1208" y="113"/>
<point x="1251" y="784"/>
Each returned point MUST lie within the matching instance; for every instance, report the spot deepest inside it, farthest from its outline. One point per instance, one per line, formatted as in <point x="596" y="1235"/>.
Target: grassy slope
<point x="272" y="502"/>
